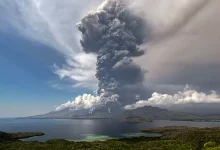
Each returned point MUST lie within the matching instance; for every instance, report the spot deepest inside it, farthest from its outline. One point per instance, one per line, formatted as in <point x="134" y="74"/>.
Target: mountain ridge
<point x="147" y="112"/>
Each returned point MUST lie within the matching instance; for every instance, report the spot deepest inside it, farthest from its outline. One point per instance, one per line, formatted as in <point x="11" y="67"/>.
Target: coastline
<point x="172" y="137"/>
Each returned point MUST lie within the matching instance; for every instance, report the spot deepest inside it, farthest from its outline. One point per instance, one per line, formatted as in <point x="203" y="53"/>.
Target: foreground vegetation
<point x="173" y="138"/>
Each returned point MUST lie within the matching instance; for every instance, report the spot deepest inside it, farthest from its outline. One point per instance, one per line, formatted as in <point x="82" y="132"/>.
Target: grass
<point x="140" y="144"/>
<point x="173" y="138"/>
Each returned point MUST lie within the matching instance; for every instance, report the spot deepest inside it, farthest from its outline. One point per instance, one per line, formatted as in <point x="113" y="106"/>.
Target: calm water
<point x="87" y="129"/>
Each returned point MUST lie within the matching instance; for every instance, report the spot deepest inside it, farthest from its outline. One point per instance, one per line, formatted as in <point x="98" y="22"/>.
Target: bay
<point x="88" y="130"/>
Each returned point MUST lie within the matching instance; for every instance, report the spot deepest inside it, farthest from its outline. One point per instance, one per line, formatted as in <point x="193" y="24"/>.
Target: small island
<point x="136" y="119"/>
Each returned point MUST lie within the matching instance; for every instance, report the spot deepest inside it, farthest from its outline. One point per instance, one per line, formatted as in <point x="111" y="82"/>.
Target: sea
<point x="89" y="130"/>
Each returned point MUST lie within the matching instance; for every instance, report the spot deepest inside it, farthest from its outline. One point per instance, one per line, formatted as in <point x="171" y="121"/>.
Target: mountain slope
<point x="148" y="112"/>
<point x="156" y="113"/>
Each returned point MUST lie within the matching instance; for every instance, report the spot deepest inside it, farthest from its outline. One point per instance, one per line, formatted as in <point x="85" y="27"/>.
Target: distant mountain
<point x="156" y="113"/>
<point x="148" y="112"/>
<point x="66" y="113"/>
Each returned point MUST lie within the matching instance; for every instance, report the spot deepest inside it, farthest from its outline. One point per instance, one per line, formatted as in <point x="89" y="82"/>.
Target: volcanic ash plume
<point x="114" y="34"/>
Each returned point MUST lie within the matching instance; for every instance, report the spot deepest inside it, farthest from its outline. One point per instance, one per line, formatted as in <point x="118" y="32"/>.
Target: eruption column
<point x="114" y="34"/>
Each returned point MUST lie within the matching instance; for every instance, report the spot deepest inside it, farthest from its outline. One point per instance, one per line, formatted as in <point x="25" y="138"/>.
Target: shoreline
<point x="18" y="135"/>
<point x="123" y="120"/>
<point x="172" y="137"/>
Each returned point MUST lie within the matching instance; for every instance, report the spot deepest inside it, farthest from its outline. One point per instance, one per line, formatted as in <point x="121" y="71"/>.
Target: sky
<point x="29" y="55"/>
<point x="43" y="66"/>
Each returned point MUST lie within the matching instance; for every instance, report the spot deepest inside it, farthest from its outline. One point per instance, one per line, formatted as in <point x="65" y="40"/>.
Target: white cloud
<point x="80" y="68"/>
<point x="88" y="101"/>
<point x="187" y="96"/>
<point x="53" y="23"/>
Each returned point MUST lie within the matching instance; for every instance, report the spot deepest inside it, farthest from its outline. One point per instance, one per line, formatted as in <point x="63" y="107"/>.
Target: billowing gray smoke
<point x="114" y="34"/>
